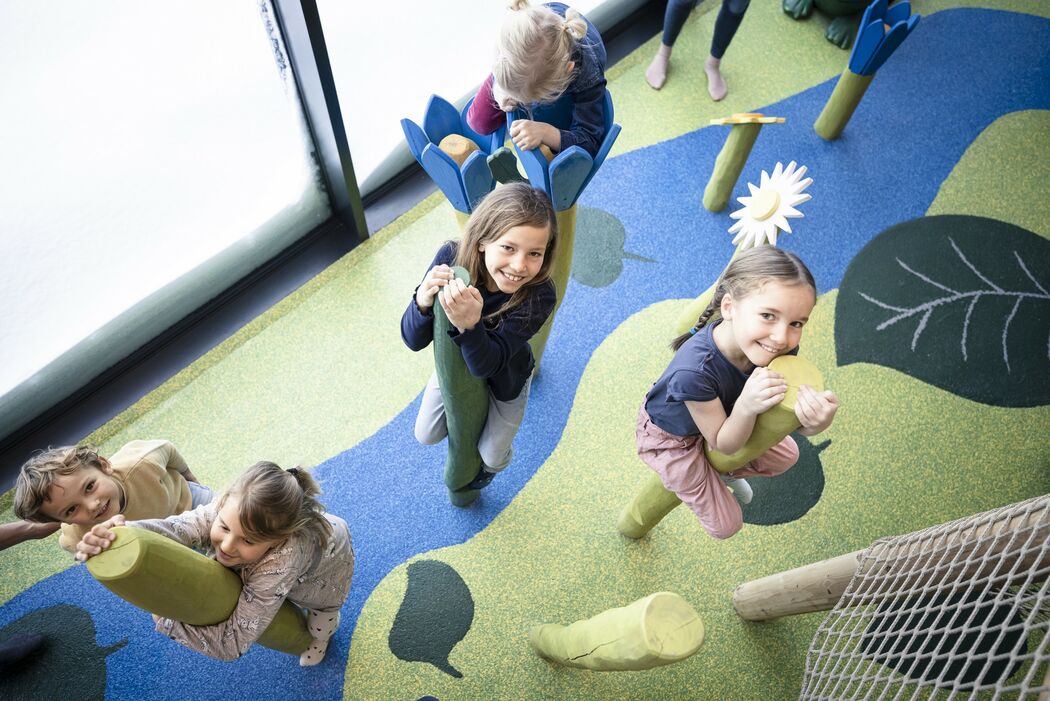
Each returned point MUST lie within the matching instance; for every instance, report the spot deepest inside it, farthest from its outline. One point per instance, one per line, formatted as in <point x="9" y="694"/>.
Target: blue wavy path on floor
<point x="958" y="72"/>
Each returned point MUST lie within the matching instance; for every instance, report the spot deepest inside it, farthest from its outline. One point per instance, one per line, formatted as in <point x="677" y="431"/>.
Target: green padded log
<point x="650" y="504"/>
<point x="559" y="274"/>
<point x="170" y="580"/>
<point x="658" y="630"/>
<point x="840" y="106"/>
<point x="466" y="400"/>
<point x="774" y="424"/>
<point x="654" y="501"/>
<point x="729" y="165"/>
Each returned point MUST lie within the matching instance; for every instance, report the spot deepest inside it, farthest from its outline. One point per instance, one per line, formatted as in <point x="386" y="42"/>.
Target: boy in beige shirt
<point x="77" y="487"/>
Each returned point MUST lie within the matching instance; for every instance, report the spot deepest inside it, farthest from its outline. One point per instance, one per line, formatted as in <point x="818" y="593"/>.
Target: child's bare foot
<point x="656" y="74"/>
<point x="716" y="85"/>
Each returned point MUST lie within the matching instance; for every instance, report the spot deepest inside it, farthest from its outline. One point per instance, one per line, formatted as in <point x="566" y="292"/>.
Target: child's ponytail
<point x="705" y="318"/>
<point x="575" y="26"/>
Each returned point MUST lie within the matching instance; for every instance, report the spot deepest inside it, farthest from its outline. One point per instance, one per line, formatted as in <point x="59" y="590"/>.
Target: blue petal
<point x="898" y="13"/>
<point x="897" y="34"/>
<point x="477" y="178"/>
<point x="867" y="44"/>
<point x="878" y="9"/>
<point x="569" y="171"/>
<point x="445" y="174"/>
<point x="440" y="119"/>
<point x="417" y="140"/>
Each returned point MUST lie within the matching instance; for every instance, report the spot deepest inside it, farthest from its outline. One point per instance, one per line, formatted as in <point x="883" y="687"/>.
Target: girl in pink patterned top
<point x="270" y="529"/>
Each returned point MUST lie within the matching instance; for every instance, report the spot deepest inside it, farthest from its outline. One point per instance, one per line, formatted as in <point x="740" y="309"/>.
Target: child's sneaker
<point x="482" y="479"/>
<point x="740" y="488"/>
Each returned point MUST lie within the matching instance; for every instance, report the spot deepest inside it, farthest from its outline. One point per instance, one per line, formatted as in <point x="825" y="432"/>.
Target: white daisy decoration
<point x="770" y="205"/>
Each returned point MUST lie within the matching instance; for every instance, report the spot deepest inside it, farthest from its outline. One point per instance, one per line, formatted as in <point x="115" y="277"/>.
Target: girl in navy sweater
<point x="508" y="249"/>
<point x="545" y="54"/>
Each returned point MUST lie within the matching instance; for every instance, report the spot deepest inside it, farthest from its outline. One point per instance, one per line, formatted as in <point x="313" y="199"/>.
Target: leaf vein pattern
<point x="926" y="308"/>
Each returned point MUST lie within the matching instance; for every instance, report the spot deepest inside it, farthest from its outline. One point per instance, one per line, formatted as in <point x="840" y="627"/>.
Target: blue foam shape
<point x="610" y="139"/>
<point x="390" y="489"/>
<point x="445" y="174"/>
<point x="898" y="13"/>
<point x="417" y="140"/>
<point x="440" y="119"/>
<point x="894" y="38"/>
<point x="868" y="39"/>
<point x="568" y="172"/>
<point x="477" y="178"/>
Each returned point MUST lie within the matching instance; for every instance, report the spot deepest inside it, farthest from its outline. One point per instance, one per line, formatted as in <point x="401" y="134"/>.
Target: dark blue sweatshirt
<point x="497" y="350"/>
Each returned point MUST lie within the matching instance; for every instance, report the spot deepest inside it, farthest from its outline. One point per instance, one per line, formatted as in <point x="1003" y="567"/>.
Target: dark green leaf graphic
<point x="436" y="613"/>
<point x="957" y="301"/>
<point x="598" y="253"/>
<point x="788" y="496"/>
<point x="69" y="665"/>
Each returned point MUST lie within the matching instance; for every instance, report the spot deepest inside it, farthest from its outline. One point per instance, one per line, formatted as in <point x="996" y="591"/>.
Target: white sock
<point x="322" y="625"/>
<point x="740" y="488"/>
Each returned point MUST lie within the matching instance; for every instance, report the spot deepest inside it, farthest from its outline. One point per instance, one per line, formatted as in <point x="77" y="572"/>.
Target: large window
<point x="141" y="142"/>
<point x="389" y="58"/>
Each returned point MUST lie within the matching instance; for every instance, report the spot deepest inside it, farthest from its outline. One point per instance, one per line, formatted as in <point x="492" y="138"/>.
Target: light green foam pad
<point x="657" y="630"/>
<point x="773" y="425"/>
<point x="170" y="580"/>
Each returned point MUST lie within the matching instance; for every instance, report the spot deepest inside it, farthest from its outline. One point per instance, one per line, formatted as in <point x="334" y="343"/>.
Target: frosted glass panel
<point x="390" y="57"/>
<point x="143" y="144"/>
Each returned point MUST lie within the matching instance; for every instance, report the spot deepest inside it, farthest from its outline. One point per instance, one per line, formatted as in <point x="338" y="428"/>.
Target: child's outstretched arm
<point x="486" y="115"/>
<point x="763" y="390"/>
<point x="17" y="532"/>
<point x="815" y="410"/>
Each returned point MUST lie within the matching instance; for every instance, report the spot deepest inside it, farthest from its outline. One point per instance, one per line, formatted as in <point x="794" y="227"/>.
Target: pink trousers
<point x="684" y="470"/>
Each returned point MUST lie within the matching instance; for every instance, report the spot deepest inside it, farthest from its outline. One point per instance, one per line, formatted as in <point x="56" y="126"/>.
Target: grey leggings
<point x="729" y="18"/>
<point x="500" y="427"/>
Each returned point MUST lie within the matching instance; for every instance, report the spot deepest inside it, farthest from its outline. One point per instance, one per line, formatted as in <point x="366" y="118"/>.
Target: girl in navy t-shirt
<point x="508" y="249"/>
<point x="718" y="383"/>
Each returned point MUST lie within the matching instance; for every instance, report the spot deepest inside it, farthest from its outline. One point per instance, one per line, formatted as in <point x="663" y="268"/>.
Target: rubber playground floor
<point x="937" y="187"/>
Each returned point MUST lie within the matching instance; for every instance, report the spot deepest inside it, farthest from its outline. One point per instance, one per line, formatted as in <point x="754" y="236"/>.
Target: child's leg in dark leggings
<point x="728" y="21"/>
<point x="674" y="19"/>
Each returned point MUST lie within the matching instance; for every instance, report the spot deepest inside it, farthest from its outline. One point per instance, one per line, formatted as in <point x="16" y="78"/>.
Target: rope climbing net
<point x="955" y="611"/>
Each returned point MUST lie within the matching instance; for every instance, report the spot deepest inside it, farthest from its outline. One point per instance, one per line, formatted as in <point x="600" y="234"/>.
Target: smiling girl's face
<point x="764" y="324"/>
<point x="232" y="546"/>
<point x="515" y="258"/>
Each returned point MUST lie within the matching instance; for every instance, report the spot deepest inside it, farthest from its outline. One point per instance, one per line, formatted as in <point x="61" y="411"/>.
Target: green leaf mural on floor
<point x="70" y="665"/>
<point x="960" y="302"/>
<point x="435" y="614"/>
<point x="789" y="496"/>
<point x="599" y="253"/>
